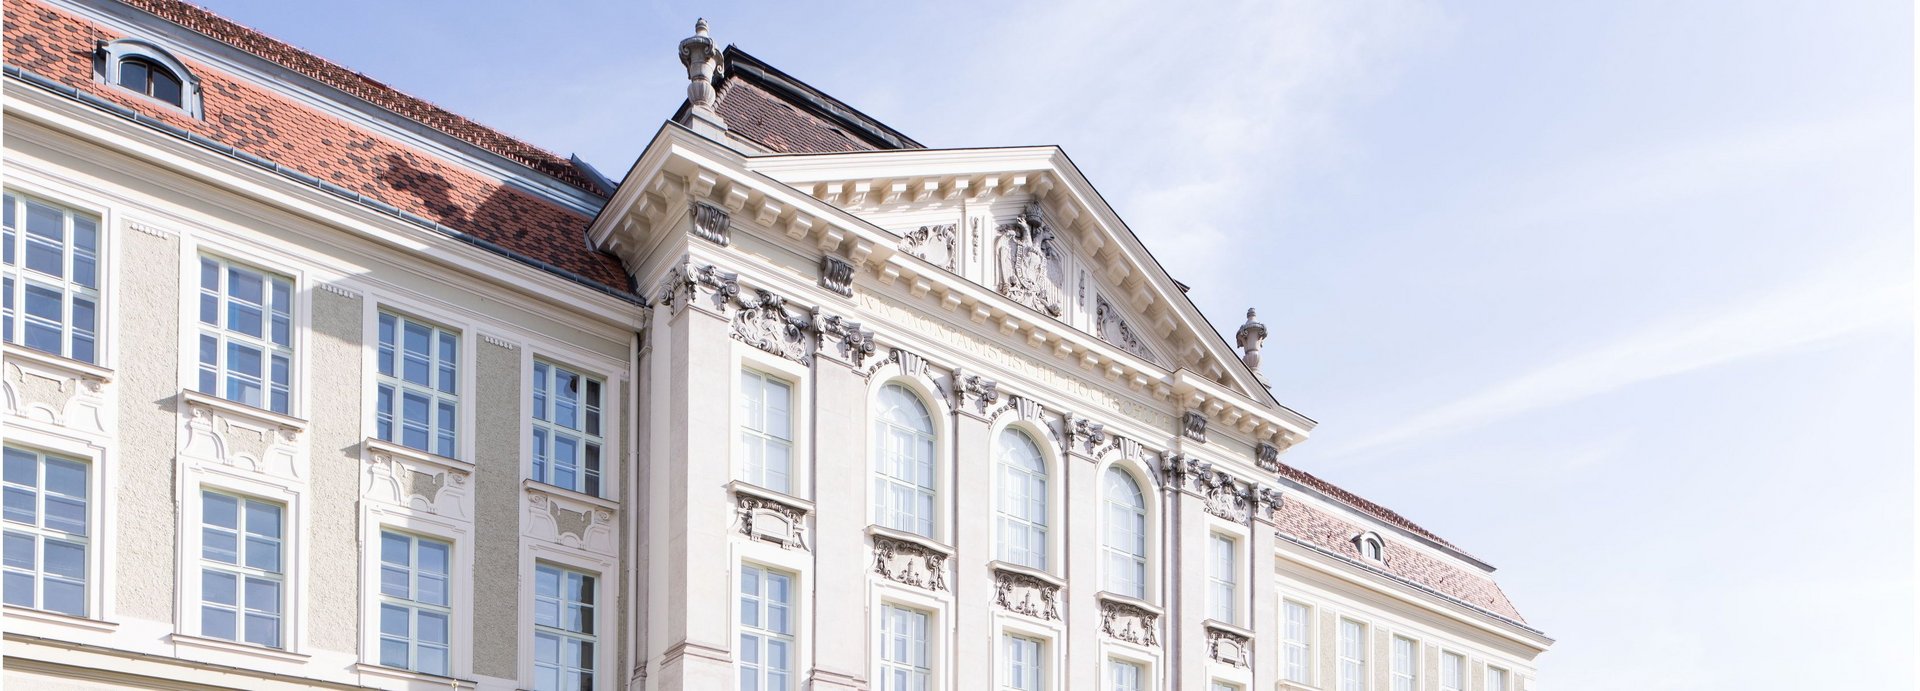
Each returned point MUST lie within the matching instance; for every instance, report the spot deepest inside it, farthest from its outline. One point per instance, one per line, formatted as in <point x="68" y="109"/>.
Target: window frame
<point x="600" y="670"/>
<point x="1111" y="681"/>
<point x="377" y="517"/>
<point x="607" y="438"/>
<point x="298" y="309"/>
<point x="794" y="623"/>
<point x="1148" y="538"/>
<point x="462" y="380"/>
<point x="241" y="570"/>
<point x="936" y="438"/>
<point x="1004" y="522"/>
<point x="380" y="600"/>
<point x="747" y="360"/>
<point x="1231" y="579"/>
<point x="931" y="640"/>
<point x="1355" y="680"/>
<point x="68" y="288"/>
<point x="1411" y="675"/>
<point x="194" y="476"/>
<point x="1504" y="674"/>
<point x="108" y="59"/>
<point x="40" y="533"/>
<point x="1305" y="644"/>
<point x="1040" y="647"/>
<point x="1462" y="671"/>
<point x="102" y="578"/>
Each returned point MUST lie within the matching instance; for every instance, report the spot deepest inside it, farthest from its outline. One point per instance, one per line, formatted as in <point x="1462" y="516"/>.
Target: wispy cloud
<point x="1827" y="306"/>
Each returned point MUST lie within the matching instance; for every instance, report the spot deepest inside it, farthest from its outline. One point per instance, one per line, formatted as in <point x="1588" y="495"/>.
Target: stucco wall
<point x="496" y="559"/>
<point x="148" y="293"/>
<point x="334" y="452"/>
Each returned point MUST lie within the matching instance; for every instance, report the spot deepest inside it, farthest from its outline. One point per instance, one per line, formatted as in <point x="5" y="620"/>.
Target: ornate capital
<point x="1193" y="424"/>
<point x="1085" y="434"/>
<point x="853" y="342"/>
<point x="711" y="223"/>
<point x="684" y="284"/>
<point x="974" y="392"/>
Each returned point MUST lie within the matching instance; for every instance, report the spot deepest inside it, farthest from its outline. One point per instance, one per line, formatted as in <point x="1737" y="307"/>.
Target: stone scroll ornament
<point x="763" y="321"/>
<point x="1114" y="329"/>
<point x="1130" y="623"/>
<point x="935" y="243"/>
<point x="904" y="561"/>
<point x="1030" y="263"/>
<point x="1023" y="594"/>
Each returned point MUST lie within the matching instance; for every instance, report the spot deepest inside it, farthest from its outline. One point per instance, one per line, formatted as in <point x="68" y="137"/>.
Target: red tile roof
<point x="753" y="113"/>
<point x="1361" y="504"/>
<point x="1333" y="534"/>
<point x="364" y="88"/>
<point x="253" y="119"/>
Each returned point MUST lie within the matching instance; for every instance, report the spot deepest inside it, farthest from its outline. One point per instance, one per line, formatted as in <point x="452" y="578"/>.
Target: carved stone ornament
<point x="765" y="518"/>
<point x="936" y="243"/>
<point x="1266" y="500"/>
<point x="1193" y="424"/>
<point x="1174" y="468"/>
<point x="1031" y="263"/>
<point x="763" y="321"/>
<point x="836" y="274"/>
<point x="1129" y="622"/>
<point x="710" y="223"/>
<point x="1251" y="336"/>
<point x="1224" y="496"/>
<point x="909" y="562"/>
<point x="1229" y="647"/>
<point x="46" y="389"/>
<point x="1268" y="456"/>
<point x="1086" y="433"/>
<point x="1114" y="329"/>
<point x="1026" y="409"/>
<point x="684" y="283"/>
<point x="974" y="391"/>
<point x="1026" y="594"/>
<point x="700" y="57"/>
<point x="416" y="481"/>
<point x="854" y="343"/>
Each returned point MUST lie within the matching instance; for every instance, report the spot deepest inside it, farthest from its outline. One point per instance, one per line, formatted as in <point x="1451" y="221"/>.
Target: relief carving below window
<point x="1229" y="647"/>
<point x="1114" y="329"/>
<point x="909" y="562"/>
<point x="936" y="243"/>
<point x="1026" y="594"/>
<point x="1129" y="622"/>
<point x="763" y="321"/>
<point x="772" y="520"/>
<point x="1031" y="263"/>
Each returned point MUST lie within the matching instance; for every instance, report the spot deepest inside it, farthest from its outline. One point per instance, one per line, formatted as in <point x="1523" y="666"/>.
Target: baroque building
<point x="311" y="384"/>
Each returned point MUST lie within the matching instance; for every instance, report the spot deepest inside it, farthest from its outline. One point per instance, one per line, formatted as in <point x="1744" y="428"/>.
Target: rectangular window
<point x="766" y="431"/>
<point x="1405" y="662"/>
<point x="46" y="532"/>
<point x="414" y="602"/>
<point x="1221" y="592"/>
<point x="905" y="659"/>
<point x="566" y="428"/>
<point x="1223" y="686"/>
<point x="1496" y="679"/>
<point x="418" y="402"/>
<point x="1024" y="665"/>
<point x="766" y="630"/>
<point x="51" y="277"/>
<point x="1453" y="672"/>
<point x="1296" y="629"/>
<point x="563" y="629"/>
<point x="1126" y="676"/>
<point x="246" y="335"/>
<point x="240" y="569"/>
<point x="1353" y="656"/>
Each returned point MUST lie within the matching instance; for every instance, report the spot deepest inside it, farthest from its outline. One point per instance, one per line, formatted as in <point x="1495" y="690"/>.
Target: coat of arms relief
<point x="1031" y="263"/>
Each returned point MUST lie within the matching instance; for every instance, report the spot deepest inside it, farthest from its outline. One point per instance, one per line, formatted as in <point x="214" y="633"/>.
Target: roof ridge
<point x="1365" y="505"/>
<point x="259" y="44"/>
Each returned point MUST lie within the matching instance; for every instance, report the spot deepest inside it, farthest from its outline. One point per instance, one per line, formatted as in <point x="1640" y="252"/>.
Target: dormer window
<point x="146" y="69"/>
<point x="150" y="78"/>
<point x="1371" y="547"/>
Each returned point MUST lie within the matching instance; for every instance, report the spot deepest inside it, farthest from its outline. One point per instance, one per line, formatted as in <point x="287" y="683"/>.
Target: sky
<point x="1617" y="296"/>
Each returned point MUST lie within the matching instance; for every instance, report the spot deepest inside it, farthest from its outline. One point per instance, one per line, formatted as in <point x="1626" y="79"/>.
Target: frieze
<point x="711" y="223"/>
<point x="1030" y="261"/>
<point x="934" y="243"/>
<point x="907" y="561"/>
<point x="1126" y="621"/>
<point x="1027" y="594"/>
<point x="683" y="285"/>
<point x="763" y="321"/>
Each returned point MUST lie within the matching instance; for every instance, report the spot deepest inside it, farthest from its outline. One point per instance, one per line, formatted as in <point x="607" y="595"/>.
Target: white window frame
<point x="1351" y="662"/>
<point x="1018" y="673"/>
<point x="102" y="578"/>
<point x="594" y="637"/>
<point x="1457" y="682"/>
<point x="432" y="391"/>
<point x="20" y="277"/>
<point x="223" y="334"/>
<point x="194" y="476"/>
<point x="1403" y="673"/>
<point x="1303" y="644"/>
<point x="241" y="571"/>
<point x="931" y="641"/>
<point x="1217" y="685"/>
<point x="880" y="480"/>
<point x="761" y="633"/>
<point x="535" y="552"/>
<point x="799" y="381"/>
<point x="544" y="472"/>
<point x="1371" y="541"/>
<point x="1223" y="579"/>
<point x="1007" y="522"/>
<point x="1111" y="679"/>
<point x="378" y="517"/>
<point x="1109" y="555"/>
<point x="38" y="533"/>
<point x="1505" y="676"/>
<point x="414" y="607"/>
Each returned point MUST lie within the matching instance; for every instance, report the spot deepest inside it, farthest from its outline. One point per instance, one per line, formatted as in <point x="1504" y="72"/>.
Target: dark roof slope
<point x="364" y="88"/>
<point x="785" y="115"/>
<point x="267" y="125"/>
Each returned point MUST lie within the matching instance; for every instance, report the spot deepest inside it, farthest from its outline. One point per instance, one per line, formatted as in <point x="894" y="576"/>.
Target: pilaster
<point x="841" y="562"/>
<point x="972" y="522"/>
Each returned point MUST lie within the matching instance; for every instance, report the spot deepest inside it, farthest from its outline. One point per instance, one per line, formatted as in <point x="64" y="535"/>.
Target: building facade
<point x="312" y="384"/>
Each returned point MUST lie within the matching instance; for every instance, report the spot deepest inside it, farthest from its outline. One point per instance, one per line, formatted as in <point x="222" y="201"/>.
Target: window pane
<point x="166" y="87"/>
<point x="133" y="75"/>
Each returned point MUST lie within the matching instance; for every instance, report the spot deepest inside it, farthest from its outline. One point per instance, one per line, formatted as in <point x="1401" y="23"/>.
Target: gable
<point x="1023" y="223"/>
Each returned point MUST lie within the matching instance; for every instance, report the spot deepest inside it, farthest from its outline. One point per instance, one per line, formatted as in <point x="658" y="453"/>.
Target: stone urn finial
<point x="1251" y="336"/>
<point x="701" y="58"/>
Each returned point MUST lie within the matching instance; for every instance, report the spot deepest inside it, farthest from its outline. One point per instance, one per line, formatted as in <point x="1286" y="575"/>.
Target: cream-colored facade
<point x="784" y="306"/>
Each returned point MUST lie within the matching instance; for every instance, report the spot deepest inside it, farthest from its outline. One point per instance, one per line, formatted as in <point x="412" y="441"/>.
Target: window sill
<point x="904" y="536"/>
<point x="537" y="487"/>
<point x="84" y="371"/>
<point x="743" y="487"/>
<point x="1005" y="567"/>
<point x="215" y="644"/>
<point x="412" y="677"/>
<point x="1230" y="629"/>
<point x="1133" y="602"/>
<point x="379" y="446"/>
<point x="66" y="621"/>
<point x="259" y="416"/>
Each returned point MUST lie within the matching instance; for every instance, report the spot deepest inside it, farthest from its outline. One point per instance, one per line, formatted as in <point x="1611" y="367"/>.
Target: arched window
<point x="1371" y="547"/>
<point x="903" y="478"/>
<point x="150" y="78"/>
<point x="1125" y="543"/>
<point x="1023" y="500"/>
<point x="148" y="70"/>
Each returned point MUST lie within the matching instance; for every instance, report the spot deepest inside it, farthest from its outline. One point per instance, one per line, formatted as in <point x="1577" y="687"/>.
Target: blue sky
<point x="1618" y="296"/>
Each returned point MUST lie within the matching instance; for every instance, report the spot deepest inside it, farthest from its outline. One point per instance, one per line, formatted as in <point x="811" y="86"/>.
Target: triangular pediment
<point x="1024" y="223"/>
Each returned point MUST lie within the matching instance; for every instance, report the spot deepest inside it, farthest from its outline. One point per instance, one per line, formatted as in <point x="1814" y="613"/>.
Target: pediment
<point x="1025" y="224"/>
